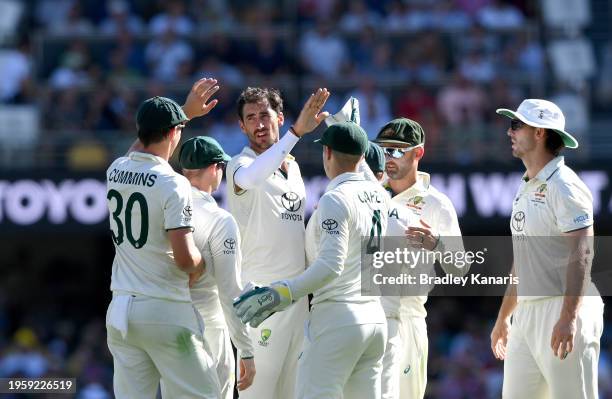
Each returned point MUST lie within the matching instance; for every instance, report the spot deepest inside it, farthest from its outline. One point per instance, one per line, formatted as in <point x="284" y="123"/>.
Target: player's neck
<point x="161" y="150"/>
<point x="535" y="161"/>
<point x="337" y="171"/>
<point x="401" y="185"/>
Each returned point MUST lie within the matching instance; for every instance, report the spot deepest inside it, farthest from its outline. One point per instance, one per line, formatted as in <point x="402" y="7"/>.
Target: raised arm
<point x="252" y="175"/>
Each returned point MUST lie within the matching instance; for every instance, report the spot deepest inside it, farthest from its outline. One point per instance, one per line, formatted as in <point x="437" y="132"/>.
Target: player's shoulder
<point x="171" y="181"/>
<point x="116" y="163"/>
<point x="245" y="156"/>
<point x="565" y="181"/>
<point x="437" y="197"/>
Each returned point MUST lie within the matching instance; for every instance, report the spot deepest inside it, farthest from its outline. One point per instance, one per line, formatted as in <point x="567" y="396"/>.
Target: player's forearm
<point x="252" y="175"/>
<point x="509" y="302"/>
<point x="576" y="281"/>
<point x="578" y="271"/>
<point x="317" y="276"/>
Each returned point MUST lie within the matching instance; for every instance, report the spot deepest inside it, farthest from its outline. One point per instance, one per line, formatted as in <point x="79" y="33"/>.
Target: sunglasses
<point x="397" y="153"/>
<point x="221" y="165"/>
<point x="516" y="124"/>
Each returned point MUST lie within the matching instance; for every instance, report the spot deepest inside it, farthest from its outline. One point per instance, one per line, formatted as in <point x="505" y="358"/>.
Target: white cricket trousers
<point x="219" y="346"/>
<point x="342" y="362"/>
<point x="405" y="361"/>
<point x="164" y="340"/>
<point x="277" y="344"/>
<point x="532" y="371"/>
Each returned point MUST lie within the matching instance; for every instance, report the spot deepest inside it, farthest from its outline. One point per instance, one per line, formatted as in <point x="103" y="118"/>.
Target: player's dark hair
<point x="149" y="136"/>
<point x="553" y="142"/>
<point x="257" y="94"/>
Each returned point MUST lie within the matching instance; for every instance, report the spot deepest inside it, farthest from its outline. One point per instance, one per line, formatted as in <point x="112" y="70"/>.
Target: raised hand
<point x="197" y="100"/>
<point x="311" y="116"/>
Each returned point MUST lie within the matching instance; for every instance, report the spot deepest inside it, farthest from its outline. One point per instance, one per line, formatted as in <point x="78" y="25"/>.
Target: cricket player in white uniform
<point x="266" y="195"/>
<point x="345" y="336"/>
<point x="429" y="220"/>
<point x="217" y="237"/>
<point x="549" y="344"/>
<point x="153" y="330"/>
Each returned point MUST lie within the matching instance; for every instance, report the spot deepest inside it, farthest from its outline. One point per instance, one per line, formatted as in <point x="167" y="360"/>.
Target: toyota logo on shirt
<point x="230" y="243"/>
<point x="518" y="221"/>
<point x="329" y="224"/>
<point x="291" y="201"/>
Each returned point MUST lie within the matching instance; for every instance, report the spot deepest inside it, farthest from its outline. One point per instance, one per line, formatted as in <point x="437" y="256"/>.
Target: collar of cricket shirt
<point x="421" y="185"/>
<point x="145" y="156"/>
<point x="547" y="171"/>
<point x="343" y="178"/>
<point x="196" y="193"/>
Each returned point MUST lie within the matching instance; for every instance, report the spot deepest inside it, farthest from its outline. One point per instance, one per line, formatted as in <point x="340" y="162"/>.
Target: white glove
<point x="259" y="303"/>
<point x="348" y="113"/>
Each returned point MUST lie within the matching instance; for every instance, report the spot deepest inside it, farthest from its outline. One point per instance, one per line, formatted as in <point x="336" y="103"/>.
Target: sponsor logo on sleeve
<point x="330" y="226"/>
<point x="230" y="246"/>
<point x="187" y="213"/>
<point x="582" y="218"/>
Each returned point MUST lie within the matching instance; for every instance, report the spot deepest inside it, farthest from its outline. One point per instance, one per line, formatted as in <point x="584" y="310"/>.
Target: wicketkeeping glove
<point x="259" y="303"/>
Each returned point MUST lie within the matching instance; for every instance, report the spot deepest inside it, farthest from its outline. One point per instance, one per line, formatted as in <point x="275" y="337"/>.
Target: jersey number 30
<point x="127" y="219"/>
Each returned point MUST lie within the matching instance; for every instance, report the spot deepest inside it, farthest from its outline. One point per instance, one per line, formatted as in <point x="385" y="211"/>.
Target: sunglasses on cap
<point x="516" y="124"/>
<point x="397" y="153"/>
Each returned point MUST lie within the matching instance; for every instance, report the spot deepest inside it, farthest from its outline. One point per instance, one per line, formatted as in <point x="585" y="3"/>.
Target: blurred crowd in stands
<point x="87" y="64"/>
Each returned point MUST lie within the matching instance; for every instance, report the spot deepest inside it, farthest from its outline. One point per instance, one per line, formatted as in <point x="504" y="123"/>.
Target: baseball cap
<point x="542" y="113"/>
<point x="375" y="157"/>
<point x="201" y="151"/>
<point x="345" y="137"/>
<point x="401" y="131"/>
<point x="159" y="113"/>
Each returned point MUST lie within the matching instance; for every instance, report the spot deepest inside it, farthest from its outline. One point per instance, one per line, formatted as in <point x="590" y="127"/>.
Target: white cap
<point x="542" y="113"/>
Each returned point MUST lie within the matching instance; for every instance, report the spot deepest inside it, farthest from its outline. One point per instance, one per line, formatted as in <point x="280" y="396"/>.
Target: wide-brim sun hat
<point x="544" y="114"/>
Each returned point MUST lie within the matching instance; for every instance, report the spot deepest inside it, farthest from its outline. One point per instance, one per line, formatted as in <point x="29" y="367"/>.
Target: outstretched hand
<point x="197" y="101"/>
<point x="311" y="116"/>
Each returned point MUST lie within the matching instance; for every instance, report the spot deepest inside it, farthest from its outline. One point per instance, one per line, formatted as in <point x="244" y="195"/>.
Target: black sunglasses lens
<point x="515" y="124"/>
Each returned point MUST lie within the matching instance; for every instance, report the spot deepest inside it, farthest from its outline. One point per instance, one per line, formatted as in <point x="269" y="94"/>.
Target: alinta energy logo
<point x="265" y="336"/>
<point x="518" y="221"/>
<point x="291" y="201"/>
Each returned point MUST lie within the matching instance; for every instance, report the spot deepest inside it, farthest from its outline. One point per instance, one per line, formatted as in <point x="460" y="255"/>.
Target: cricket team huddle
<point x="190" y="279"/>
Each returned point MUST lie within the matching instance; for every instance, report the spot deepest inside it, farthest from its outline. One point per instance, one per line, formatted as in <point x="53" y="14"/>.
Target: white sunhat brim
<point x="568" y="140"/>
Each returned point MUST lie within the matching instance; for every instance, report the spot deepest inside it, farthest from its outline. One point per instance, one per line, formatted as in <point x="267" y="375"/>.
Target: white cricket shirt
<point x="271" y="222"/>
<point x="554" y="202"/>
<point x="424" y="202"/>
<point x="351" y="208"/>
<point x="217" y="237"/>
<point x="146" y="198"/>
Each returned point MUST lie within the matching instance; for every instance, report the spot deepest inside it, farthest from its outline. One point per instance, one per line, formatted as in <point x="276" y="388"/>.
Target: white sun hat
<point x="542" y="113"/>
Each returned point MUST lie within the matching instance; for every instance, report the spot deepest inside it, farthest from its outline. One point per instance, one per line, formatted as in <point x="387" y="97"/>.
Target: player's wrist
<point x="293" y="131"/>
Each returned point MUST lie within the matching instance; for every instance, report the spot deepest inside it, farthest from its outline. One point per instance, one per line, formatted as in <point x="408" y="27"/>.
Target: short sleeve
<point x="178" y="206"/>
<point x="572" y="205"/>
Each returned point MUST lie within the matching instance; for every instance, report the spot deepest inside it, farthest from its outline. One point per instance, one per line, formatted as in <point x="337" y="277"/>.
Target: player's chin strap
<point x="256" y="303"/>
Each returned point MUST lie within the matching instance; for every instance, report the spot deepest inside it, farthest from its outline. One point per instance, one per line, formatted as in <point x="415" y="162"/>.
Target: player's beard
<point x="261" y="144"/>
